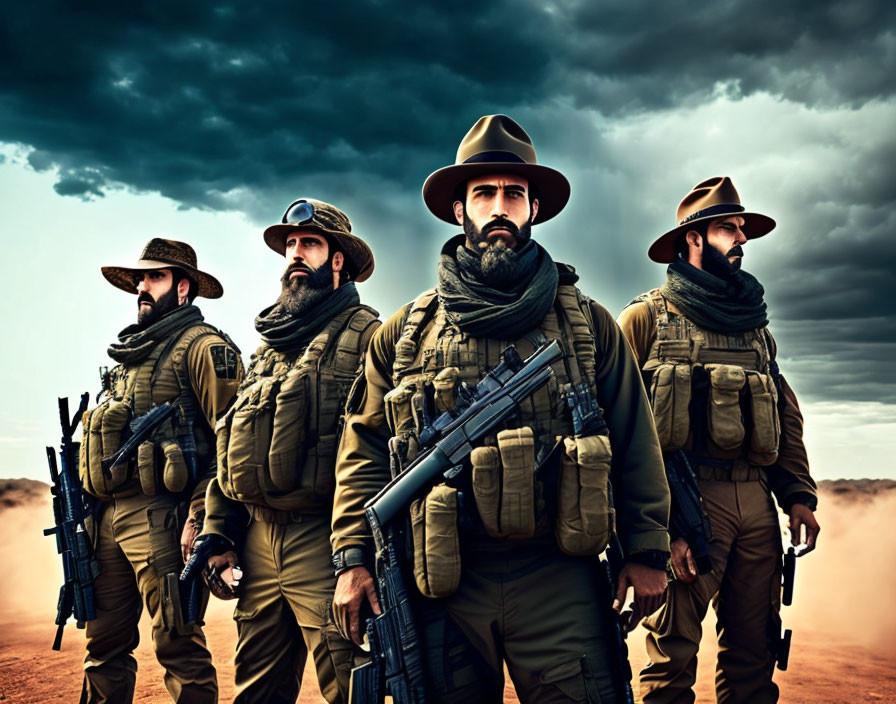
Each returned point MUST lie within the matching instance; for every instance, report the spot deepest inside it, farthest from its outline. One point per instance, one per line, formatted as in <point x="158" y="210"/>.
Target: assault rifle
<point x="141" y="428"/>
<point x="688" y="520"/>
<point x="396" y="665"/>
<point x="70" y="507"/>
<point x="587" y="419"/>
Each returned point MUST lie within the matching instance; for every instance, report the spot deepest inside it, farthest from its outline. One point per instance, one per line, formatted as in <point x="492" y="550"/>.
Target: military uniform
<point x="273" y="496"/>
<point x="721" y="398"/>
<point x="184" y="361"/>
<point x="510" y="561"/>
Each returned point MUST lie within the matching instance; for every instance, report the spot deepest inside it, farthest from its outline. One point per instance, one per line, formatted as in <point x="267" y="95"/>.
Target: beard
<point x="717" y="264"/>
<point x="498" y="262"/>
<point x="157" y="308"/>
<point x="302" y="293"/>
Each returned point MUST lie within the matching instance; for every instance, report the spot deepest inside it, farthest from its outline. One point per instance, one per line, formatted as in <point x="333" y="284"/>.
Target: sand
<point x="843" y="617"/>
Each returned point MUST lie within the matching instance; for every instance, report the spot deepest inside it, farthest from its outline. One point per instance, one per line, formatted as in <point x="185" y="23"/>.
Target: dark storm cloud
<point x="243" y="106"/>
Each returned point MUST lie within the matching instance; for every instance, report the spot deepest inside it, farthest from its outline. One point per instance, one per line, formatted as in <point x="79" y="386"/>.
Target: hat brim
<point x="123" y="277"/>
<point x="755" y="226"/>
<point x="551" y="186"/>
<point x="354" y="248"/>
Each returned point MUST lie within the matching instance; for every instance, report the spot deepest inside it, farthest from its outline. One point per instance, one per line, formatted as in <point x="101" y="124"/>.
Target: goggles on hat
<point x="298" y="213"/>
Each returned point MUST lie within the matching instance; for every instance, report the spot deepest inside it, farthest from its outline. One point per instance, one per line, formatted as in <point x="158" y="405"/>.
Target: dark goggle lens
<point x="298" y="213"/>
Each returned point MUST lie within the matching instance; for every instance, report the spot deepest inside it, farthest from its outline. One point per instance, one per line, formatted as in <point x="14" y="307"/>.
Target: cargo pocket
<point x="164" y="555"/>
<point x="486" y="463"/>
<point x="584" y="515"/>
<point x="445" y="385"/>
<point x="766" y="431"/>
<point x="517" y="516"/>
<point x="726" y="426"/>
<point x="398" y="403"/>
<point x="95" y="453"/>
<point x="670" y="394"/>
<point x="288" y="430"/>
<point x="115" y="418"/>
<point x="250" y="440"/>
<point x="436" y="542"/>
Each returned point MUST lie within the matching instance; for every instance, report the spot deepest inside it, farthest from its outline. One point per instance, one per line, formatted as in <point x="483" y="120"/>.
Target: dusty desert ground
<point x="844" y="614"/>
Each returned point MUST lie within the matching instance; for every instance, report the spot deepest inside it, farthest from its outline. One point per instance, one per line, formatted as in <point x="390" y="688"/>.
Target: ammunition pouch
<point x="436" y="542"/>
<point x="146" y="467"/>
<point x="585" y="517"/>
<point x="765" y="433"/>
<point x="175" y="474"/>
<point x="724" y="417"/>
<point x="670" y="394"/>
<point x="504" y="484"/>
<point x="103" y="428"/>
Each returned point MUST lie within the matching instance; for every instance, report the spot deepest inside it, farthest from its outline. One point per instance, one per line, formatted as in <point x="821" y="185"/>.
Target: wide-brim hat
<point x="330" y="221"/>
<point x="496" y="144"/>
<point x="160" y="253"/>
<point x="710" y="199"/>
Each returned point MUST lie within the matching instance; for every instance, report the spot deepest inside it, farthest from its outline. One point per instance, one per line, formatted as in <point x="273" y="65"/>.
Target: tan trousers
<point x="137" y="540"/>
<point x="543" y="615"/>
<point x="745" y="587"/>
<point x="283" y="614"/>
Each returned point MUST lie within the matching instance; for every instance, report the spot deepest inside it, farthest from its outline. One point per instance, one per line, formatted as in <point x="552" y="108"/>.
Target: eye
<point x="514" y="194"/>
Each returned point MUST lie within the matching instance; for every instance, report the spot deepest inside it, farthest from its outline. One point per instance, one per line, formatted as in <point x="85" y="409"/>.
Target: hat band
<point x="721" y="209"/>
<point x="496" y="157"/>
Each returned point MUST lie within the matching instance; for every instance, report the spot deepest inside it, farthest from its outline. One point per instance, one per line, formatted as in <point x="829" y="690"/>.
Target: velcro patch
<point x="226" y="361"/>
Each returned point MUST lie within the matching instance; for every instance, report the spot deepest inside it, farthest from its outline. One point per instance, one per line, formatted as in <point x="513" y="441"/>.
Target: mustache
<point x="145" y="298"/>
<point x="298" y="266"/>
<point x="501" y="224"/>
<point x="736" y="251"/>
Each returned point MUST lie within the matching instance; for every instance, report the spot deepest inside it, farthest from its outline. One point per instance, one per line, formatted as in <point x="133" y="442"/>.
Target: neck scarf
<point x="482" y="311"/>
<point x="136" y="342"/>
<point x="289" y="334"/>
<point x="731" y="305"/>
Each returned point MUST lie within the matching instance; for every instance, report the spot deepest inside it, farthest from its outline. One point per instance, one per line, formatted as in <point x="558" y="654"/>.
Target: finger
<point x="678" y="567"/>
<point x="795" y="526"/>
<point x="692" y="566"/>
<point x="621" y="589"/>
<point x="371" y="597"/>
<point x="353" y="614"/>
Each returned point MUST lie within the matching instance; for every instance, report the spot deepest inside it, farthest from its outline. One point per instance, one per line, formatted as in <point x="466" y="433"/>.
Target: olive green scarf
<point x="136" y="342"/>
<point x="290" y="334"/>
<point x="482" y="311"/>
<point x="731" y="305"/>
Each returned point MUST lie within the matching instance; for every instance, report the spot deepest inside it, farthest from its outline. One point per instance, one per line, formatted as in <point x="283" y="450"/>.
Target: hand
<point x="683" y="561"/>
<point x="650" y="588"/>
<point x="352" y="587"/>
<point x="192" y="528"/>
<point x="223" y="575"/>
<point x="801" y="516"/>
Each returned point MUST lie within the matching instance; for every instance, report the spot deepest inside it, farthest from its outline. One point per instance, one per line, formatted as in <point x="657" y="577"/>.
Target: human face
<point x="306" y="251"/>
<point x="493" y="198"/>
<point x="726" y="235"/>
<point x="156" y="294"/>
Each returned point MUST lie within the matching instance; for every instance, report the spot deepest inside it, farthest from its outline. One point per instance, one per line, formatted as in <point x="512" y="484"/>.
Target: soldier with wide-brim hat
<point x="160" y="253"/>
<point x="491" y="544"/>
<point x="496" y="144"/>
<point x="331" y="222"/>
<point x="711" y="199"/>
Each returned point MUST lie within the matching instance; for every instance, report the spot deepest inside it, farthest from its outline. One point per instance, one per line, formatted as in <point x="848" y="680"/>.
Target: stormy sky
<point x="202" y="121"/>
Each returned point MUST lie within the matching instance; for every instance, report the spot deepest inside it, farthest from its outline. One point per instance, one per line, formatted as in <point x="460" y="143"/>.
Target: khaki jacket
<point x="641" y="491"/>
<point x="789" y="475"/>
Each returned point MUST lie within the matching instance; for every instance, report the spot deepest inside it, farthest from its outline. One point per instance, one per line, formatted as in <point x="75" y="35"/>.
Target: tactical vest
<point x="510" y="503"/>
<point x="277" y="443"/>
<point x="181" y="449"/>
<point x="714" y="395"/>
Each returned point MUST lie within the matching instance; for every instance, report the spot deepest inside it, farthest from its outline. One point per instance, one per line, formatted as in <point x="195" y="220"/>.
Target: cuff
<point x="350" y="557"/>
<point x="655" y="559"/>
<point x="800" y="497"/>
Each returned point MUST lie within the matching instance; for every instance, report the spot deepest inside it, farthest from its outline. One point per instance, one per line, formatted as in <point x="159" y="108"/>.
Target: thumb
<point x="621" y="589"/>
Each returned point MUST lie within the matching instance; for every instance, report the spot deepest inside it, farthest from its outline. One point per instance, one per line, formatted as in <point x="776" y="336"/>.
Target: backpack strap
<point x="422" y="310"/>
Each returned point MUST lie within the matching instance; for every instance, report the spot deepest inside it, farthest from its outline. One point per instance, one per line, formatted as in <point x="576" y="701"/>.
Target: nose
<point x="498" y="209"/>
<point x="141" y="286"/>
<point x="740" y="237"/>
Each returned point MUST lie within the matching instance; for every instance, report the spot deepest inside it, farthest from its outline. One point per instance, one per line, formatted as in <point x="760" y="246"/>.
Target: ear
<point x="338" y="261"/>
<point x="534" y="210"/>
<point x="695" y="248"/>
<point x="459" y="212"/>
<point x="183" y="288"/>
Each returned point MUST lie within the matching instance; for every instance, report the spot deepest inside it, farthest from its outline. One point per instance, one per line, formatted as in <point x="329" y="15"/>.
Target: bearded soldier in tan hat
<point x="269" y="507"/>
<point x="525" y="587"/>
<point x="703" y="344"/>
<point x="153" y="501"/>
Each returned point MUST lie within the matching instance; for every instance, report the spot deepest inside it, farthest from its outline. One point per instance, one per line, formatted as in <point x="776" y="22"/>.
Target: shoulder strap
<point x="576" y="311"/>
<point x="348" y="342"/>
<point x="422" y="310"/>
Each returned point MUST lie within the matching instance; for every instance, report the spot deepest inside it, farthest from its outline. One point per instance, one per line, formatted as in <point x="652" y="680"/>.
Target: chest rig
<point x="511" y="504"/>
<point x="277" y="443"/>
<point x="713" y="394"/>
<point x="180" y="449"/>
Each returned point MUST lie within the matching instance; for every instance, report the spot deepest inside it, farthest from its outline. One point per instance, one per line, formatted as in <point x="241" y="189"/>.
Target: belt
<point x="736" y="471"/>
<point x="273" y="515"/>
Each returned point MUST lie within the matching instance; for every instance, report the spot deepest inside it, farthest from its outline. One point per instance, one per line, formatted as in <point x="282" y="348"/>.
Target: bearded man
<point x="708" y="358"/>
<point x="170" y="355"/>
<point x="526" y="591"/>
<point x="269" y="507"/>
